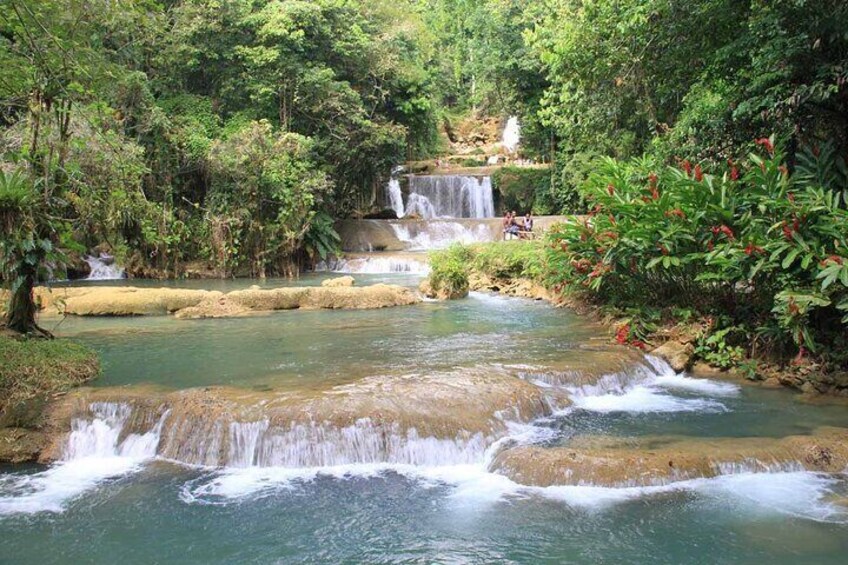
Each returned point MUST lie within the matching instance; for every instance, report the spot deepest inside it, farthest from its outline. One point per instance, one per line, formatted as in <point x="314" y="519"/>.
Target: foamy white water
<point x="441" y="234"/>
<point x="377" y="265"/>
<point x="103" y="268"/>
<point x="94" y="453"/>
<point x="648" y="388"/>
<point x="395" y="197"/>
<point x="511" y="134"/>
<point x="450" y="196"/>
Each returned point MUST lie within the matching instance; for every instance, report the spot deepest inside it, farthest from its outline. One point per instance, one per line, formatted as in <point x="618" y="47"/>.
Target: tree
<point x="25" y="248"/>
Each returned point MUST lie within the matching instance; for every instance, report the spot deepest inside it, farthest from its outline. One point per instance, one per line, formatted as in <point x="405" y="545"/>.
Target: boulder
<point x="679" y="355"/>
<point x="339" y="281"/>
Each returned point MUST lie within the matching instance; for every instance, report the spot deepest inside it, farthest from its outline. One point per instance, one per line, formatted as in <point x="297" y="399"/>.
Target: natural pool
<point x="115" y="499"/>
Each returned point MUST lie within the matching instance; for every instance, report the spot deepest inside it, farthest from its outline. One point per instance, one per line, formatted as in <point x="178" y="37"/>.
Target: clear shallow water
<point x="302" y="348"/>
<point x="125" y="504"/>
<point x="393" y="519"/>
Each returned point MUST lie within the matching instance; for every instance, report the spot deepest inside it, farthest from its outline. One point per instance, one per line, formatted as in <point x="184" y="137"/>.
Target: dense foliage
<point x="760" y="252"/>
<point x="138" y="120"/>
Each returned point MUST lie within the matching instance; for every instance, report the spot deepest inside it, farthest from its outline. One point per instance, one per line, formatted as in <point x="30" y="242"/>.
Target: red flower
<point x="677" y="212"/>
<point x="766" y="142"/>
<point x="787" y="231"/>
<point x="710" y="245"/>
<point x="727" y="231"/>
<point x="687" y="167"/>
<point x="662" y="248"/>
<point x="796" y="224"/>
<point x="734" y="172"/>
<point x="699" y="174"/>
<point x="610" y="189"/>
<point x="622" y="334"/>
<point x="836" y="259"/>
<point x="751" y="249"/>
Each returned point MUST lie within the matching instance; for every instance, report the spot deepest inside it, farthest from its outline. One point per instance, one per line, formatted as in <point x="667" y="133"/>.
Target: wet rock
<point x="426" y="288"/>
<point x="339" y="281"/>
<point x="19" y="445"/>
<point x="618" y="462"/>
<point x="417" y="419"/>
<point x="243" y="302"/>
<point x="678" y="354"/>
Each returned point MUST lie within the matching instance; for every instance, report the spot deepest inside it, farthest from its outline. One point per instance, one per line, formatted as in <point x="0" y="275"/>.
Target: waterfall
<point x="450" y="196"/>
<point x="440" y="234"/>
<point x="395" y="197"/>
<point x="376" y="265"/>
<point x="103" y="268"/>
<point x="511" y="134"/>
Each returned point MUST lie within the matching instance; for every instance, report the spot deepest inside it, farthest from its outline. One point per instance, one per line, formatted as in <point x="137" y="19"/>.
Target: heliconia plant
<point x="751" y="243"/>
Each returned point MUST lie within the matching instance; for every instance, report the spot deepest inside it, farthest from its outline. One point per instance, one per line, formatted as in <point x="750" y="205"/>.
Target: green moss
<point x="31" y="370"/>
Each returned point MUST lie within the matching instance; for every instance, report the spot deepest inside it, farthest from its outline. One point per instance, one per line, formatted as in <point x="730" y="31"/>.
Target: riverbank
<point x="520" y="268"/>
<point x="34" y="373"/>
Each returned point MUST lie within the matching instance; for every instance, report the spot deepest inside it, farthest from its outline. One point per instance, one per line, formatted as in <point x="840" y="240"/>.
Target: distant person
<point x="513" y="228"/>
<point x="528" y="225"/>
<point x="506" y="224"/>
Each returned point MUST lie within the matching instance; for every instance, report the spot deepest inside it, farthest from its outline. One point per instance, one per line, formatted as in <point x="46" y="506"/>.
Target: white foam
<point x="703" y="386"/>
<point x="642" y="398"/>
<point x="94" y="453"/>
<point x="648" y="388"/>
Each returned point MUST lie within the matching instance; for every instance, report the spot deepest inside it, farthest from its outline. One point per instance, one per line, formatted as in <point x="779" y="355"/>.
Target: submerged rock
<point x="339" y="281"/>
<point x="618" y="462"/>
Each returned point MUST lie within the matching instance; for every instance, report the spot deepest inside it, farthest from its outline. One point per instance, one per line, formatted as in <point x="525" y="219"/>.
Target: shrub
<point x="449" y="269"/>
<point x="763" y="249"/>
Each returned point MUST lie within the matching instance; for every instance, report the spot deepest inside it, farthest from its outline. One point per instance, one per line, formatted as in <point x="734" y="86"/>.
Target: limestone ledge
<point x="190" y="303"/>
<point x="650" y="461"/>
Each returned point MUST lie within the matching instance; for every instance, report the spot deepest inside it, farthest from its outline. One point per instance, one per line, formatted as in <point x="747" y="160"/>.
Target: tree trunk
<point x="21" y="314"/>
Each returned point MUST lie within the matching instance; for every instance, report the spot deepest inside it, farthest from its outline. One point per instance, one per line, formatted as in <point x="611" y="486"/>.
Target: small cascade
<point x="511" y="134"/>
<point x="395" y="197"/>
<point x="440" y="234"/>
<point x="103" y="268"/>
<point x="105" y="435"/>
<point x="377" y="264"/>
<point x="450" y="196"/>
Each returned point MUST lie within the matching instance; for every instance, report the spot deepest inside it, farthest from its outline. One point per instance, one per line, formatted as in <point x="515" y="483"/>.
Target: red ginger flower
<point x="610" y="189"/>
<point x="687" y="167"/>
<point x="766" y="142"/>
<point x="751" y="249"/>
<point x="699" y="174"/>
<point x="734" y="172"/>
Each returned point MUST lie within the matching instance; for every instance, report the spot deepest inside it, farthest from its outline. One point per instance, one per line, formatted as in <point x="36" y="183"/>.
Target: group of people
<point x="521" y="227"/>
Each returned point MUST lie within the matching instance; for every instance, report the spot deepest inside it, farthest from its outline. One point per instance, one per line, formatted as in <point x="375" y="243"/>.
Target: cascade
<point x="395" y="197"/>
<point x="450" y="196"/>
<point x="511" y="134"/>
<point x="103" y="268"/>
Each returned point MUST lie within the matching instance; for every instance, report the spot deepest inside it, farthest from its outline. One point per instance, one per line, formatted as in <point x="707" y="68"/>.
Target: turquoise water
<point x="136" y="508"/>
<point x="302" y="348"/>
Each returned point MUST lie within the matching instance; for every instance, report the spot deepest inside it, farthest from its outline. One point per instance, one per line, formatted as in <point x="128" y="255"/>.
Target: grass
<point x="31" y="370"/>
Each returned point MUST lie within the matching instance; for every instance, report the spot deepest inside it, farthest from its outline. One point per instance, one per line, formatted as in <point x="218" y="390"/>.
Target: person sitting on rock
<point x="507" y="224"/>
<point x="528" y="225"/>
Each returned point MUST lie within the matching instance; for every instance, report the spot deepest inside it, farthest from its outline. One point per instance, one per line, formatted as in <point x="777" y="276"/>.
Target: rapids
<point x="482" y="430"/>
